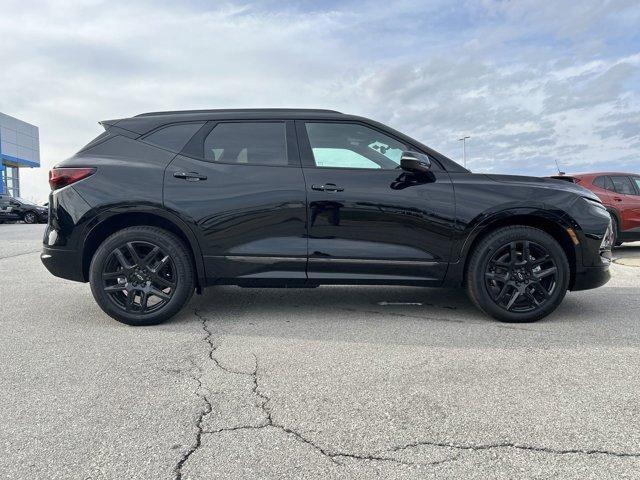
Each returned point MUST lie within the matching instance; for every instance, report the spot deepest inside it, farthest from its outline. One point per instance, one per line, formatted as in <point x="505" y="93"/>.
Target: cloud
<point x="530" y="82"/>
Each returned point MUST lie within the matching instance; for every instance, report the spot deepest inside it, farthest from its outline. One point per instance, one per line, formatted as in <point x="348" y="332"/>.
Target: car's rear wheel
<point x="30" y="217"/>
<point x="518" y="274"/>
<point x="142" y="275"/>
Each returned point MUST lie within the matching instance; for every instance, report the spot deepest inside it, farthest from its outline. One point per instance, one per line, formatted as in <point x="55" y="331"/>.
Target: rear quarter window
<point x="173" y="137"/>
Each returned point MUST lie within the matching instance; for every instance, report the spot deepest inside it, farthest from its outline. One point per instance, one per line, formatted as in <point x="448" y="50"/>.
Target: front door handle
<point x="329" y="187"/>
<point x="190" y="176"/>
<point x="617" y="199"/>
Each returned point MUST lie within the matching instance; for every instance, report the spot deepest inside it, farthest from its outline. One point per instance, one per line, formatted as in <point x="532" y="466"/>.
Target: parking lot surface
<point x="334" y="382"/>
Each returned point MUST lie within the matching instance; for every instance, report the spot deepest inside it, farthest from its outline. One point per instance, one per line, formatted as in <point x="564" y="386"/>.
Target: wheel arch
<point x="111" y="221"/>
<point x="545" y="221"/>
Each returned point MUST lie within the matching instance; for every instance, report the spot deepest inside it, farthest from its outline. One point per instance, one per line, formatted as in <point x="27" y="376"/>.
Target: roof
<point x="239" y="110"/>
<point x="593" y="174"/>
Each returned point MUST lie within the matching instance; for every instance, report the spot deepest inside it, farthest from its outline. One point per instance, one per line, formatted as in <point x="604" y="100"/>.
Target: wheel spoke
<point x="159" y="293"/>
<point x="112" y="275"/>
<point x="496" y="276"/>
<point x="163" y="282"/>
<point x="144" y="297"/>
<point x="532" y="297"/>
<point x="131" y="295"/>
<point x="545" y="273"/>
<point x="513" y="249"/>
<point x="513" y="299"/>
<point x="115" y="288"/>
<point x="537" y="286"/>
<point x="122" y="259"/>
<point x="540" y="261"/>
<point x="161" y="263"/>
<point x="526" y="254"/>
<point x="502" y="293"/>
<point x="133" y="253"/>
<point x="150" y="256"/>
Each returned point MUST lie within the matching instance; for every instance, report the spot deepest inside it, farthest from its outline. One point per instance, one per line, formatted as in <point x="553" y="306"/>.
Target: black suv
<point x="162" y="204"/>
<point x="14" y="208"/>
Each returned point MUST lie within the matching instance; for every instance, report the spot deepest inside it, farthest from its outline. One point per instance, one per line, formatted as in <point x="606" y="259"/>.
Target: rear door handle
<point x="617" y="199"/>
<point x="329" y="187"/>
<point x="190" y="176"/>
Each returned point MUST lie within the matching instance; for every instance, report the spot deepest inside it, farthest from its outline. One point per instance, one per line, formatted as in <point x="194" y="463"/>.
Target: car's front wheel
<point x="142" y="275"/>
<point x="518" y="274"/>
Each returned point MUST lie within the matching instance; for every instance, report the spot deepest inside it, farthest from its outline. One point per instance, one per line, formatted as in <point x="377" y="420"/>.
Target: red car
<point x="620" y="193"/>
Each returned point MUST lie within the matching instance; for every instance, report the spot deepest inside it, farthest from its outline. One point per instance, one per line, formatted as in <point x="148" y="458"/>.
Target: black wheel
<point x="616" y="233"/>
<point x="30" y="217"/>
<point x="518" y="274"/>
<point x="142" y="275"/>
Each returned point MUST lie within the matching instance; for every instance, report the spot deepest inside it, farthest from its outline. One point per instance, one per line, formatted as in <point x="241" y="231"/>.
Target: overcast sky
<point x="529" y="81"/>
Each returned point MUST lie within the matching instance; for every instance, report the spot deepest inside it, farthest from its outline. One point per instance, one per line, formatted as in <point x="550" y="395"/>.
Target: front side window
<point x="623" y="185"/>
<point x="257" y="143"/>
<point x="350" y="145"/>
<point x="637" y="182"/>
<point x="174" y="137"/>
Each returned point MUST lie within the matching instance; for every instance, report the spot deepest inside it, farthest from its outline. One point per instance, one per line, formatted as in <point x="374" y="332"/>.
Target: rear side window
<point x="255" y="143"/>
<point x="173" y="137"/>
<point x="623" y="185"/>
<point x="604" y="182"/>
<point x="637" y="182"/>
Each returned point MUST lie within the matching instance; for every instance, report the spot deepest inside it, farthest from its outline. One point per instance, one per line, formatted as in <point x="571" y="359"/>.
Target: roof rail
<point x="239" y="110"/>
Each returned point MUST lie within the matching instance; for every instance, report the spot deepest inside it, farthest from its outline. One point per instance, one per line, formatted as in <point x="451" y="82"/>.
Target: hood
<point x="542" y="182"/>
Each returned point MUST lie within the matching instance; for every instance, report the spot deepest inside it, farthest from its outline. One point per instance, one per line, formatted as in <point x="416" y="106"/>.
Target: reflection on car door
<point x="368" y="219"/>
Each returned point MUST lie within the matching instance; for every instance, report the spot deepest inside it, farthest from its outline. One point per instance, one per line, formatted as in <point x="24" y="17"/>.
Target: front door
<point x="368" y="219"/>
<point x="240" y="183"/>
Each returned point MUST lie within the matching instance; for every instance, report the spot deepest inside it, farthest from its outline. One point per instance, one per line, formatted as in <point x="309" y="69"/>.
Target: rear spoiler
<point x="566" y="178"/>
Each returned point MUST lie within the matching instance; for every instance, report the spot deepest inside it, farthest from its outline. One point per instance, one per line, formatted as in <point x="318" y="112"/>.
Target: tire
<point x="616" y="232"/>
<point x="497" y="269"/>
<point x="30" y="218"/>
<point x="144" y="287"/>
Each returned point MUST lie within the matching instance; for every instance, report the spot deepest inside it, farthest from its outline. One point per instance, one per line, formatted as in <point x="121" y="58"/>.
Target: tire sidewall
<point x="484" y="252"/>
<point x="170" y="244"/>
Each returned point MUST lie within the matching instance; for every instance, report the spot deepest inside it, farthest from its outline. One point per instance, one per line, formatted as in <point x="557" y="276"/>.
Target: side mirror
<point x="415" y="162"/>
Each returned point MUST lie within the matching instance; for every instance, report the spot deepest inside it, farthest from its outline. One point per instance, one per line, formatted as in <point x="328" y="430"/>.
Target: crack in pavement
<point x="199" y="430"/>
<point x="264" y="403"/>
<point x="491" y="446"/>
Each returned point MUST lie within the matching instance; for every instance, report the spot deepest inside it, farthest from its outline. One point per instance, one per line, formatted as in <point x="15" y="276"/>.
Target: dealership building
<point x="19" y="148"/>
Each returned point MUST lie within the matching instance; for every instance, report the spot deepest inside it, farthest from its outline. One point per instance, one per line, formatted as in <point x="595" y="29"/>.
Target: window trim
<point x="308" y="159"/>
<point x="195" y="147"/>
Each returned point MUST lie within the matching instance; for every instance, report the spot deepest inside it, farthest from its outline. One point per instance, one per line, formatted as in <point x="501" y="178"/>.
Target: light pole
<point x="464" y="149"/>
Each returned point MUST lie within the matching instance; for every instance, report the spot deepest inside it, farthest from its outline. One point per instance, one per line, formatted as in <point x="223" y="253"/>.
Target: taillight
<point x="61" y="177"/>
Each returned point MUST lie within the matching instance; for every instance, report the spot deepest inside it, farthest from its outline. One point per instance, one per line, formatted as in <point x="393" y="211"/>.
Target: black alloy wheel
<point x="517" y="274"/>
<point x="521" y="276"/>
<point x="142" y="275"/>
<point x="139" y="277"/>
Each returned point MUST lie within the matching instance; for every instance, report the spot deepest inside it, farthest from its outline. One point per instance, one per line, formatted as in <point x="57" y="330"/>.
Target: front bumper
<point x="591" y="277"/>
<point x="63" y="263"/>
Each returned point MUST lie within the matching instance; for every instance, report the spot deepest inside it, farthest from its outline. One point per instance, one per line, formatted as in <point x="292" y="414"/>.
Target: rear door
<point x="626" y="200"/>
<point x="368" y="219"/>
<point x="241" y="185"/>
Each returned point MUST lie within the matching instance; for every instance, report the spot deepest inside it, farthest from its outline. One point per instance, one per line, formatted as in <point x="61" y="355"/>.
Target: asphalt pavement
<point x="330" y="383"/>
